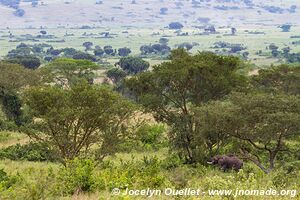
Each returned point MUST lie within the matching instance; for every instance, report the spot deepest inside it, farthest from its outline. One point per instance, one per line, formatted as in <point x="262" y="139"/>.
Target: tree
<point x="11" y="104"/>
<point x="87" y="45"/>
<point x="124" y="51"/>
<point x="286" y="51"/>
<point x="233" y="31"/>
<point x="146" y="49"/>
<point x="65" y="71"/>
<point x="43" y="32"/>
<point x="275" y="53"/>
<point x="172" y="88"/>
<point x="9" y="97"/>
<point x="116" y="74"/>
<point x="19" y="13"/>
<point x="280" y="79"/>
<point x="28" y="61"/>
<point x="14" y="77"/>
<point x="108" y="50"/>
<point x="98" y="52"/>
<point x="263" y="124"/>
<point x="185" y="45"/>
<point x="34" y="3"/>
<point x="133" y="65"/>
<point x="163" y="11"/>
<point x="175" y="25"/>
<point x="54" y="52"/>
<point x="273" y="47"/>
<point x="207" y="123"/>
<point x="163" y="40"/>
<point x="74" y="120"/>
<point x="161" y="48"/>
<point x="285" y="27"/>
<point x="293" y="58"/>
<point x="69" y="52"/>
<point x="84" y="56"/>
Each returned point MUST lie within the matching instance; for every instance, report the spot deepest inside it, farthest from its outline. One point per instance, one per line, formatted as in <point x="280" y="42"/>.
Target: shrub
<point x="171" y="162"/>
<point x="30" y="152"/>
<point x="77" y="176"/>
<point x="152" y="135"/>
<point x="6" y="181"/>
<point x="175" y="25"/>
<point x="131" y="174"/>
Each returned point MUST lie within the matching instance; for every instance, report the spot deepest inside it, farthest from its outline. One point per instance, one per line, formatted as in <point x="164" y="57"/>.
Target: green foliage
<point x="6" y="181"/>
<point x="173" y="88"/>
<point x="11" y="104"/>
<point x="84" y="56"/>
<point x="282" y="78"/>
<point x="77" y="176"/>
<point x="31" y="152"/>
<point x="124" y="51"/>
<point x="133" y="65"/>
<point x="116" y="74"/>
<point x="263" y="123"/>
<point x="5" y="124"/>
<point x="21" y="77"/>
<point x="172" y="161"/>
<point x="28" y="61"/>
<point x="66" y="71"/>
<point x="146" y="137"/>
<point x="287" y="176"/>
<point x="13" y="78"/>
<point x="133" y="174"/>
<point x="74" y="120"/>
<point x="151" y="135"/>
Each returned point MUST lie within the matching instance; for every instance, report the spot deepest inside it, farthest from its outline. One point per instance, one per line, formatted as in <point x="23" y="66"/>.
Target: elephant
<point x="226" y="162"/>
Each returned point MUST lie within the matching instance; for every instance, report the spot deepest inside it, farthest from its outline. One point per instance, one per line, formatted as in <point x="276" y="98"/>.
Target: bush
<point x="28" y="61"/>
<point x="77" y="176"/>
<point x="152" y="135"/>
<point x="171" y="162"/>
<point x="131" y="174"/>
<point x="175" y="25"/>
<point x="133" y="65"/>
<point x="6" y="181"/>
<point x="146" y="138"/>
<point x="5" y="124"/>
<point x="30" y="152"/>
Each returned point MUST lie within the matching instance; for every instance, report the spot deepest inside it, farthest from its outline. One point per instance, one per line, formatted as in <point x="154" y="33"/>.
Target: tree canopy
<point x="133" y="65"/>
<point x="66" y="71"/>
<point x="172" y="88"/>
<point x="72" y="120"/>
<point x="263" y="124"/>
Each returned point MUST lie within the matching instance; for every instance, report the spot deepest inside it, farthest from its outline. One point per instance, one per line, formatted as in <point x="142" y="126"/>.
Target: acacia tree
<point x="13" y="78"/>
<point x="262" y="123"/>
<point x="133" y="65"/>
<point x="87" y="45"/>
<point x="65" y="71"/>
<point x="208" y="123"/>
<point x="281" y="78"/>
<point x="116" y="74"/>
<point x="72" y="120"/>
<point x="172" y="88"/>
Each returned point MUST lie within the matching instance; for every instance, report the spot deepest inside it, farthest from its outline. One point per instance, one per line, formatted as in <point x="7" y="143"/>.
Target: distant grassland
<point x="135" y="37"/>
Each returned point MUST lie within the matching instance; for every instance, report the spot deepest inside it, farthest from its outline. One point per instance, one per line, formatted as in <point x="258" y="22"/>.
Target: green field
<point x="136" y="37"/>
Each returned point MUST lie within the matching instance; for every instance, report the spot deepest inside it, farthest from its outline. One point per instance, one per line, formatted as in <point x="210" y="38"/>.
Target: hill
<point x="146" y="13"/>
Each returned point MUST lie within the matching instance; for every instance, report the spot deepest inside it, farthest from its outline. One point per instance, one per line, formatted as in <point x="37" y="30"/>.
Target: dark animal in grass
<point x="226" y="162"/>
